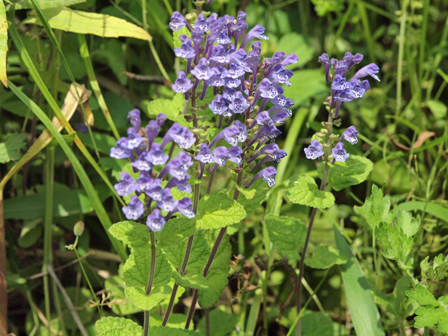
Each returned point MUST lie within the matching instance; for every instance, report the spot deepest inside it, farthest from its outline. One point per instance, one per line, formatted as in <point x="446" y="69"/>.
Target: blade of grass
<point x="253" y="314"/>
<point x="341" y="27"/>
<point x="82" y="175"/>
<point x="363" y="311"/>
<point x="367" y="32"/>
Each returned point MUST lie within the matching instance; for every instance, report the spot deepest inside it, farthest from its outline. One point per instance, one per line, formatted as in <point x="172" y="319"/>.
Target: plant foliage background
<point x="379" y="251"/>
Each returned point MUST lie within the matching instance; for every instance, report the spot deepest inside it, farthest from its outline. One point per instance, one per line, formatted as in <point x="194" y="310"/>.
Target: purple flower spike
<point x="185" y="207"/>
<point x="239" y="104"/>
<point x="142" y="163"/>
<point x="155" y="221"/>
<point x="256" y="32"/>
<point x="151" y="187"/>
<point x="339" y="153"/>
<point x="314" y="150"/>
<point x="220" y="106"/>
<point x="186" y="50"/>
<point x="168" y="203"/>
<point x="134" y="209"/>
<point x="234" y="154"/>
<point x="280" y="117"/>
<point x="204" y="155"/>
<point x="368" y="70"/>
<point x="202" y="70"/>
<point x="156" y="156"/>
<point x="350" y="135"/>
<point x="134" y="117"/>
<point x="268" y="175"/>
<point x="126" y="185"/>
<point x="223" y="38"/>
<point x="177" y="21"/>
<point x="325" y="61"/>
<point x="121" y="151"/>
<point x="182" y="83"/>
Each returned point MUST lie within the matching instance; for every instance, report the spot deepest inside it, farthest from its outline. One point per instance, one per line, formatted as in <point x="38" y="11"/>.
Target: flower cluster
<point x="147" y="158"/>
<point x="343" y="91"/>
<point x="216" y="57"/>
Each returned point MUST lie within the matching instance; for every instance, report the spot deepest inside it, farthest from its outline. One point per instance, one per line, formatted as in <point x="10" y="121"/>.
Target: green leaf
<point x="303" y="190"/>
<point x="325" y="256"/>
<point x="191" y="280"/>
<point x="355" y="171"/>
<point x="136" y="269"/>
<point x="223" y="323"/>
<point x="287" y="234"/>
<point x="31" y="232"/>
<point x="116" y="286"/>
<point x="437" y="108"/>
<point x="103" y="141"/>
<point x="395" y="244"/>
<point x="165" y="331"/>
<point x="80" y="22"/>
<point x="176" y="321"/>
<point x="363" y="311"/>
<point x="435" y="269"/>
<point x="431" y="208"/>
<point x="172" y="108"/>
<point x="435" y="312"/>
<point x="110" y="326"/>
<point x="176" y="231"/>
<point x="376" y="208"/>
<point x="249" y="193"/>
<point x="10" y="150"/>
<point x="297" y="44"/>
<point x="408" y="224"/>
<point x="176" y="40"/>
<point x="137" y="295"/>
<point x="198" y="256"/>
<point x="306" y="84"/>
<point x="131" y="233"/>
<point x="44" y="4"/>
<point x="251" y="205"/>
<point x="218" y="210"/>
<point x="3" y="43"/>
<point x="218" y="272"/>
<point x="316" y="324"/>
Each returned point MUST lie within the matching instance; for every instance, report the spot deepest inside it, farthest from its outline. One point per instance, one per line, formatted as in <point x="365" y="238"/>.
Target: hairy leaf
<point x="303" y="190"/>
<point x="109" y="326"/>
<point x="325" y="256"/>
<point x="176" y="231"/>
<point x="396" y="245"/>
<point x="131" y="233"/>
<point x="191" y="280"/>
<point x="251" y="205"/>
<point x="223" y="323"/>
<point x="376" y="208"/>
<point x="137" y="295"/>
<point x="172" y="108"/>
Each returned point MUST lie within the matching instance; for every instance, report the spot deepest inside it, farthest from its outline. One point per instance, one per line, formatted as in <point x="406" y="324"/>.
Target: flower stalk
<point x="150" y="281"/>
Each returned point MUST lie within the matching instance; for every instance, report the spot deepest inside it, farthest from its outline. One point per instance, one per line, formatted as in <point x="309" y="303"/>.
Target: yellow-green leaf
<point x="44" y="4"/>
<point x="3" y="43"/>
<point x="90" y="23"/>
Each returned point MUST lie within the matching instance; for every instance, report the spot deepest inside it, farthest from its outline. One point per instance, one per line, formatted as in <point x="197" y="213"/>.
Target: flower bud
<point x="203" y="117"/>
<point x="334" y="138"/>
<point x="196" y="131"/>
<point x="250" y="99"/>
<point x="203" y="136"/>
<point x="249" y="122"/>
<point x="320" y="135"/>
<point x="188" y="118"/>
<point x="78" y="229"/>
<point x="205" y="127"/>
<point x="337" y="122"/>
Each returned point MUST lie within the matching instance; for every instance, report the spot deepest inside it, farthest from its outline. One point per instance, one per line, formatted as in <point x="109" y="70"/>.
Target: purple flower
<point x="369" y="70"/>
<point x="270" y="149"/>
<point x="314" y="150"/>
<point x="201" y="24"/>
<point x="216" y="78"/>
<point x="235" y="71"/>
<point x="230" y="134"/>
<point x="134" y="117"/>
<point x="153" y="128"/>
<point x="204" y="155"/>
<point x="182" y="83"/>
<point x="168" y="203"/>
<point x="178" y="167"/>
<point x="220" y="106"/>
<point x="126" y="185"/>
<point x="142" y="163"/>
<point x="182" y="185"/>
<point x="134" y="140"/>
<point x="283" y="101"/>
<point x="134" y="209"/>
<point x="290" y="59"/>
<point x="339" y="153"/>
<point x="325" y="61"/>
<point x="239" y="29"/>
<point x="239" y="104"/>
<point x="121" y="151"/>
<point x="268" y="175"/>
<point x="184" y="206"/>
<point x="218" y="54"/>
<point x="256" y="32"/>
<point x="265" y="133"/>
<point x="234" y="154"/>
<point x="242" y="135"/>
<point x="229" y="94"/>
<point x="185" y="159"/>
<point x="155" y="221"/>
<point x="351" y="135"/>
<point x="177" y="21"/>
<point x="223" y="38"/>
<point x="262" y="119"/>
<point x="241" y="15"/>
<point x="202" y="70"/>
<point x="232" y="82"/>
<point x="280" y="117"/>
<point x="197" y="36"/>
<point x="156" y="156"/>
<point x="151" y="187"/>
<point x="186" y="50"/>
<point x="220" y="155"/>
<point x="339" y="83"/>
<point x="351" y="60"/>
<point x="180" y="135"/>
<point x="281" y="75"/>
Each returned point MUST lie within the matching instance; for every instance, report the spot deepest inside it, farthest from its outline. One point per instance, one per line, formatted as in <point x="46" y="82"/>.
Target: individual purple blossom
<point x="121" y="151"/>
<point x="134" y="139"/>
<point x="235" y="71"/>
<point x="180" y="135"/>
<point x="176" y="169"/>
<point x="142" y="163"/>
<point x="126" y="185"/>
<point x="216" y="79"/>
<point x="238" y="30"/>
<point x="268" y="175"/>
<point x="185" y="160"/>
<point x="182" y="84"/>
<point x="167" y="203"/>
<point x="197" y="36"/>
<point x="156" y="156"/>
<point x="339" y="153"/>
<point x="265" y="134"/>
<point x="229" y="94"/>
<point x="325" y="61"/>
<point x="219" y="106"/>
<point x="185" y="207"/>
<point x="280" y="117"/>
<point x="177" y="21"/>
<point x="219" y="54"/>
<point x="369" y="70"/>
<point x="155" y="221"/>
<point x="223" y="38"/>
<point x="314" y="150"/>
<point x="234" y="154"/>
<point x="151" y="187"/>
<point x="202" y="71"/>
<point x="186" y="49"/>
<point x="241" y="15"/>
<point x="256" y="32"/>
<point x="239" y="104"/>
<point x="242" y="135"/>
<point x="275" y="156"/>
<point x="290" y="59"/>
<point x="182" y="185"/>
<point x="351" y="135"/>
<point x="201" y="23"/>
<point x="351" y="60"/>
<point x="270" y="150"/>
<point x="220" y="156"/>
<point x="232" y="82"/>
<point x="153" y="128"/>
<point x="262" y="119"/>
<point x="281" y="75"/>
<point x="134" y="118"/>
<point x="134" y="210"/>
<point x="204" y="154"/>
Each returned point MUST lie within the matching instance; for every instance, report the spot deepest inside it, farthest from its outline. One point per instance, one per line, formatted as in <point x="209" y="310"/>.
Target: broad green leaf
<point x="137" y="295"/>
<point x="120" y="305"/>
<point x="297" y="44"/>
<point x="363" y="311"/>
<point x="44" y="4"/>
<point x="287" y="234"/>
<point x="176" y="231"/>
<point x="435" y="312"/>
<point x="191" y="280"/>
<point x="176" y="321"/>
<point x="110" y="325"/>
<point x="136" y="269"/>
<point x="80" y="22"/>
<point x="376" y="208"/>
<point x="437" y="108"/>
<point x="10" y="150"/>
<point x="395" y="244"/>
<point x="306" y="84"/>
<point x="218" y="210"/>
<point x="3" y="43"/>
<point x="172" y="108"/>
<point x="131" y="233"/>
<point x="325" y="256"/>
<point x="218" y="272"/>
<point x="316" y="324"/>
<point x="431" y="208"/>
<point x="251" y="205"/>
<point x="355" y="171"/>
<point x="198" y="256"/>
<point x="31" y="232"/>
<point x="223" y="323"/>
<point x="165" y="331"/>
<point x="303" y="190"/>
<point x="248" y="193"/>
<point x="394" y="301"/>
<point x="408" y="224"/>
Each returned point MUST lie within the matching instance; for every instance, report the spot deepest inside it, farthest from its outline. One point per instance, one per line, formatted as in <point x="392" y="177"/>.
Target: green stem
<point x="150" y="281"/>
<point x="400" y="57"/>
